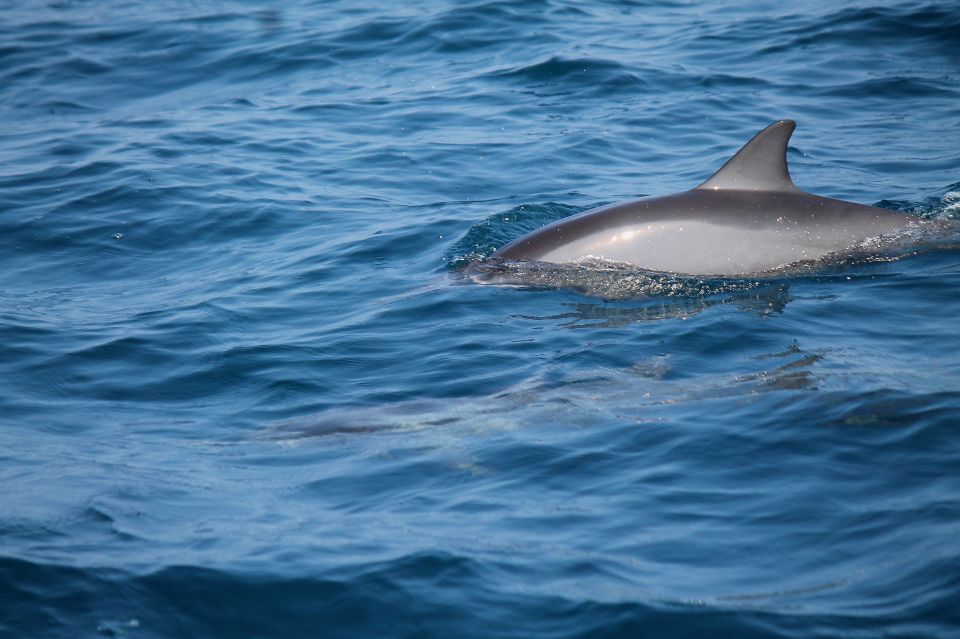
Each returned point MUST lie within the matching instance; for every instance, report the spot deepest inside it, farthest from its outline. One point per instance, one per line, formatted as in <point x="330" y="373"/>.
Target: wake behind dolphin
<point x="747" y="218"/>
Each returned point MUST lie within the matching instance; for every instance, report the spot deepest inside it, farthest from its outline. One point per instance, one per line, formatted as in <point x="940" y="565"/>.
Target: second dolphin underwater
<point x="749" y="217"/>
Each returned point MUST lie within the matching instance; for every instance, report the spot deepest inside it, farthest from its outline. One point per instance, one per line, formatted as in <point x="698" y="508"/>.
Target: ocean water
<point x="246" y="389"/>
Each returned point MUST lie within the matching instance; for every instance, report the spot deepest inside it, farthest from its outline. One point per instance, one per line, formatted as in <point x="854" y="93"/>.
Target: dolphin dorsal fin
<point x="761" y="165"/>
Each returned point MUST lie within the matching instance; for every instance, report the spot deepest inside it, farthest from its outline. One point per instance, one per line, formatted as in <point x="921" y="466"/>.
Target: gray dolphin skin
<point x="748" y="217"/>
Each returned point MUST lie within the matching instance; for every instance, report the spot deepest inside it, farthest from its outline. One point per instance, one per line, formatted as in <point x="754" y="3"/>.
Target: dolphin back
<point x="749" y="217"/>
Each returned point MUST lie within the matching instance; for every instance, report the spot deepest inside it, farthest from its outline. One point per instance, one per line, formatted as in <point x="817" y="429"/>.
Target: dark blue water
<point x="246" y="391"/>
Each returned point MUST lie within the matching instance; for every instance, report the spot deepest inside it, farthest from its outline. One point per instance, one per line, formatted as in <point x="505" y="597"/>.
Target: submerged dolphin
<point x="748" y="217"/>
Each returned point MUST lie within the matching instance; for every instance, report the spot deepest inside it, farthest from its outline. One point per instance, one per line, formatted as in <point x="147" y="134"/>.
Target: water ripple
<point x="248" y="387"/>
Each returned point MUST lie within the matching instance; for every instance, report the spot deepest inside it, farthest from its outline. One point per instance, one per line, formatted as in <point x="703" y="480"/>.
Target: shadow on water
<point x="408" y="416"/>
<point x="635" y="390"/>
<point x="762" y="301"/>
<point x="794" y="374"/>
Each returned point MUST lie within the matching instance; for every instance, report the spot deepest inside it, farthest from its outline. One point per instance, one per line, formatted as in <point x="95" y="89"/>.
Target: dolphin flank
<point x="748" y="217"/>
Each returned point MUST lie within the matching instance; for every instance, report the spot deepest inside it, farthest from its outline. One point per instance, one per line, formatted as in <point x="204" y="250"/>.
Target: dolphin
<point x="748" y="217"/>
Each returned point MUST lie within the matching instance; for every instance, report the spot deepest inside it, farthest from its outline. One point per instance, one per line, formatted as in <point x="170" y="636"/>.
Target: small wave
<point x="933" y="26"/>
<point x="891" y="87"/>
<point x="598" y="75"/>
<point x="556" y="68"/>
<point x="952" y="201"/>
<point x="84" y="66"/>
<point x="488" y="235"/>
<point x="938" y="207"/>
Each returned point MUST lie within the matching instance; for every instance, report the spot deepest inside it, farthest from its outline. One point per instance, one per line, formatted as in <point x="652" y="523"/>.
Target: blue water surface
<point x="247" y="391"/>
